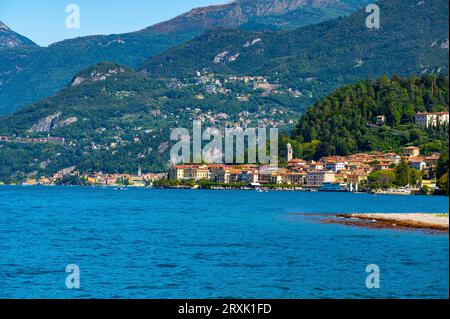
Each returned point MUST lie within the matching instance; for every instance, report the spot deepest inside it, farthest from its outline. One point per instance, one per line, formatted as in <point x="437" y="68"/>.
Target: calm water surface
<point x="143" y="243"/>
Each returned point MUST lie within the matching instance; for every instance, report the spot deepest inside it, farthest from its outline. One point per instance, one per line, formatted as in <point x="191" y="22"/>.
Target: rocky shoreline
<point x="425" y="221"/>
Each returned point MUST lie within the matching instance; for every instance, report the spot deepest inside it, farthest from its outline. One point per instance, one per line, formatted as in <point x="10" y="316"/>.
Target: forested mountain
<point x="413" y="39"/>
<point x="115" y="119"/>
<point x="41" y="72"/>
<point x="345" y="121"/>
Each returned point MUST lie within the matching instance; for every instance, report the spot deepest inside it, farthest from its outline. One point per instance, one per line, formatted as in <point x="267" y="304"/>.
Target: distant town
<point x="336" y="173"/>
<point x="353" y="173"/>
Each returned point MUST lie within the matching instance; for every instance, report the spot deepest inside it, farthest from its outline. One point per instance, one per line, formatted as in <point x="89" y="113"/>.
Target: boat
<point x="333" y="187"/>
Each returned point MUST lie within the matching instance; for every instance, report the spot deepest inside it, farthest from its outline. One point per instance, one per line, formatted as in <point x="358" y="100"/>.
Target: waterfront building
<point x="110" y="180"/>
<point x="137" y="181"/>
<point x="197" y="173"/>
<point x="44" y="181"/>
<point x="234" y="175"/>
<point x="220" y="174"/>
<point x="176" y="173"/>
<point x="30" y="181"/>
<point x="356" y="177"/>
<point x="276" y="178"/>
<point x="265" y="173"/>
<point x="225" y="174"/>
<point x="295" y="178"/>
<point x="250" y="177"/>
<point x="317" y="178"/>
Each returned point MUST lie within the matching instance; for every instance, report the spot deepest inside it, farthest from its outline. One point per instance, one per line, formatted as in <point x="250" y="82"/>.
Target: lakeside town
<point x="335" y="173"/>
<point x="373" y="172"/>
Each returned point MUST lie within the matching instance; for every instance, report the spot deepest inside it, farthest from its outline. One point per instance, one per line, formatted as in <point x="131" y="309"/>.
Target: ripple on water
<point x="160" y="243"/>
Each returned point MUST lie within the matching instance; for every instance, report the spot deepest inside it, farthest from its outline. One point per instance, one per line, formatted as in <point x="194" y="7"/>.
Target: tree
<point x="443" y="184"/>
<point x="343" y="121"/>
<point x="402" y="174"/>
<point x="442" y="165"/>
<point x="415" y="177"/>
<point x="381" y="179"/>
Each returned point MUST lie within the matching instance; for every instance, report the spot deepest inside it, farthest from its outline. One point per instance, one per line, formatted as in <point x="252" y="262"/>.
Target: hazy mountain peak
<point x="3" y="26"/>
<point x="239" y="12"/>
<point x="10" y="39"/>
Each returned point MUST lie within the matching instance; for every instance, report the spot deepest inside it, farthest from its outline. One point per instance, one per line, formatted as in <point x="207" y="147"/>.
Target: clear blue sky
<point x="43" y="21"/>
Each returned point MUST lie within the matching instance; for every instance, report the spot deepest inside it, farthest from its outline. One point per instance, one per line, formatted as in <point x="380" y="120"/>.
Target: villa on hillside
<point x="432" y="119"/>
<point x="411" y="151"/>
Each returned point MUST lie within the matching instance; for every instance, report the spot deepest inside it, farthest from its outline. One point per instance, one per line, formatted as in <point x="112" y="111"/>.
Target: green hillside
<point x="48" y="70"/>
<point x="114" y="119"/>
<point x="345" y="121"/>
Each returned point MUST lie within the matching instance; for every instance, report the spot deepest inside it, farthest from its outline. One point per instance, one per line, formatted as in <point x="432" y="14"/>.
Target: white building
<point x="335" y="166"/>
<point x="419" y="165"/>
<point x="432" y="119"/>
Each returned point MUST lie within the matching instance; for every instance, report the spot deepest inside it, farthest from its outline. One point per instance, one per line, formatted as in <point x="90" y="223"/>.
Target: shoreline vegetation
<point x="424" y="221"/>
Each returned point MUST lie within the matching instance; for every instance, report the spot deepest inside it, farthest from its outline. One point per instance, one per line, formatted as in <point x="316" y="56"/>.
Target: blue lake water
<point x="145" y="243"/>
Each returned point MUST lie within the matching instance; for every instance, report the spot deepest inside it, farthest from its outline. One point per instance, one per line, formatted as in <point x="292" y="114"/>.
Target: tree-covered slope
<point x="345" y="121"/>
<point x="48" y="70"/>
<point x="316" y="59"/>
<point x="115" y="119"/>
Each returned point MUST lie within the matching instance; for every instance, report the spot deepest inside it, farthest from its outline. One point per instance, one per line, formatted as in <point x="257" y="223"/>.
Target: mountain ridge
<point x="12" y="40"/>
<point x="239" y="12"/>
<point x="321" y="57"/>
<point x="41" y="72"/>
